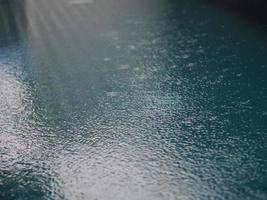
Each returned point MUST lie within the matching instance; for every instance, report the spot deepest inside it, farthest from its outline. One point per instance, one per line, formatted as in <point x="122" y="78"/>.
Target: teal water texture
<point x="120" y="99"/>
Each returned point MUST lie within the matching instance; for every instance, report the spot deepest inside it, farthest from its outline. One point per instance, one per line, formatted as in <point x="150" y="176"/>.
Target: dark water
<point x="122" y="99"/>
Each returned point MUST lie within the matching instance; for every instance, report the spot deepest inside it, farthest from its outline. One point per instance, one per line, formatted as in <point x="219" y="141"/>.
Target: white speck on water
<point x="185" y="56"/>
<point x="112" y="94"/>
<point x="178" y="82"/>
<point x="242" y="103"/>
<point x="188" y="121"/>
<point x="124" y="66"/>
<point x="220" y="78"/>
<point x="264" y="114"/>
<point x="191" y="64"/>
<point x="154" y="69"/>
<point x="132" y="47"/>
<point x="173" y="66"/>
<point x="200" y="50"/>
<point x="238" y="75"/>
<point x="163" y="51"/>
<point x="213" y="118"/>
<point x="117" y="47"/>
<point x="136" y="69"/>
<point x="142" y="76"/>
<point x="107" y="59"/>
<point x="81" y="1"/>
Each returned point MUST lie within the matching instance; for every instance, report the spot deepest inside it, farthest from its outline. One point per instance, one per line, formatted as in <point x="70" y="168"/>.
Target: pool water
<point x="121" y="99"/>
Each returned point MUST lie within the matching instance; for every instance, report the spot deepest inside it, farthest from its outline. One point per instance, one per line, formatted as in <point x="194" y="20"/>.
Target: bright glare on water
<point x="136" y="100"/>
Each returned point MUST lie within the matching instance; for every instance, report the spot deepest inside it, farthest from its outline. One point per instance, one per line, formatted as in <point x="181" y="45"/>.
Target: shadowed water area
<point x="122" y="99"/>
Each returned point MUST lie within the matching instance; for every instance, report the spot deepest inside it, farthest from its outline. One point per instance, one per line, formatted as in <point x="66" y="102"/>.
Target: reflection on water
<point x="130" y="100"/>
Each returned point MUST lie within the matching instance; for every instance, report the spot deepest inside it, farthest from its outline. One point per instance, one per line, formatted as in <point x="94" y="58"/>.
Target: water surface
<point x="113" y="99"/>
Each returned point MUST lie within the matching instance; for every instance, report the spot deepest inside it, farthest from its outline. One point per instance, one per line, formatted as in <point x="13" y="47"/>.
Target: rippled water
<point x="131" y="100"/>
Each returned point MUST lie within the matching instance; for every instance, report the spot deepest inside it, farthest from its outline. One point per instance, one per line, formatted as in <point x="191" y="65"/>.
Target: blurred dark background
<point x="253" y="10"/>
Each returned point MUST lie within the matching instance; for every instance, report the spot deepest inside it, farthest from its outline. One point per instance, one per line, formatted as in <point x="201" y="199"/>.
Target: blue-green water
<point x="113" y="99"/>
